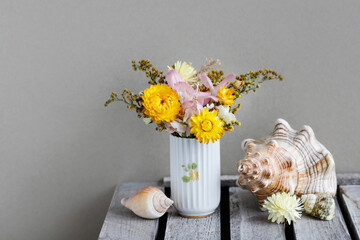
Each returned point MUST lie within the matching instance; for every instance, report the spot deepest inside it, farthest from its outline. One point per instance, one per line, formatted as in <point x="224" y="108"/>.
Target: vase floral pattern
<point x="193" y="173"/>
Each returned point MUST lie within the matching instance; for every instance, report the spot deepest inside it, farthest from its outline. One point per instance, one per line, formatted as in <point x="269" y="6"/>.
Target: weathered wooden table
<point x="238" y="217"/>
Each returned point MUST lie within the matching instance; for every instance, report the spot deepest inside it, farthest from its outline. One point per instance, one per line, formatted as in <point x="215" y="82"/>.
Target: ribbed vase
<point x="195" y="176"/>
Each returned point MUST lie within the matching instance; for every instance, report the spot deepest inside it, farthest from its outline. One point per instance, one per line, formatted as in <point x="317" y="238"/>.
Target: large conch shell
<point x="148" y="202"/>
<point x="286" y="161"/>
<point x="320" y="205"/>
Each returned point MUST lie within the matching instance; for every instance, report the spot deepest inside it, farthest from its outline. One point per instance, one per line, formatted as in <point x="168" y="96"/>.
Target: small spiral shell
<point x="320" y="205"/>
<point x="148" y="202"/>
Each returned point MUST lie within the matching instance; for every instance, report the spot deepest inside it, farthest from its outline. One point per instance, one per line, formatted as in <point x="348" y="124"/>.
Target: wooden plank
<point x="121" y="223"/>
<point x="351" y="198"/>
<point x="246" y="219"/>
<point x="348" y="178"/>
<point x="178" y="227"/>
<point x="230" y="180"/>
<point x="311" y="228"/>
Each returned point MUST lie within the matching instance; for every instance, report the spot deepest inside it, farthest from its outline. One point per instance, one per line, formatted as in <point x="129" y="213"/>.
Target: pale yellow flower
<point x="186" y="71"/>
<point x="283" y="206"/>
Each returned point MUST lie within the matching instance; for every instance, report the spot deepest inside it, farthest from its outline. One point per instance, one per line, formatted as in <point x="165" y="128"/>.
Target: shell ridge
<point x="316" y="146"/>
<point x="304" y="141"/>
<point x="328" y="171"/>
<point x="284" y="125"/>
<point x="301" y="147"/>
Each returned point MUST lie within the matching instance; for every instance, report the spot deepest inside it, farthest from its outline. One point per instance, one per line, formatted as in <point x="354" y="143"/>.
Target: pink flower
<point x="185" y="91"/>
<point x="191" y="108"/>
<point x="173" y="77"/>
<point x="191" y="100"/>
<point x="207" y="82"/>
<point x="175" y="126"/>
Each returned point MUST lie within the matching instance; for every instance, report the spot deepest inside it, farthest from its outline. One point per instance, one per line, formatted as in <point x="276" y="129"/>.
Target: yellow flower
<point x="226" y="96"/>
<point x="283" y="206"/>
<point x="186" y="71"/>
<point x="207" y="126"/>
<point x="161" y="103"/>
<point x="194" y="175"/>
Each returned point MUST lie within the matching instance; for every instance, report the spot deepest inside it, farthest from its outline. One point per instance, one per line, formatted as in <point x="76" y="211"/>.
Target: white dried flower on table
<point x="283" y="206"/>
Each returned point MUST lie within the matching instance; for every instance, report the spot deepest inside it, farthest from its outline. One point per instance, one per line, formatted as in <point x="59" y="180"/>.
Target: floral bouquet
<point x="189" y="103"/>
<point x="196" y="107"/>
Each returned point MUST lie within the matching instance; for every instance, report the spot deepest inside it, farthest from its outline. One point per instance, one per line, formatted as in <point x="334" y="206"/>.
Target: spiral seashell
<point x="320" y="205"/>
<point x="286" y="161"/>
<point x="148" y="202"/>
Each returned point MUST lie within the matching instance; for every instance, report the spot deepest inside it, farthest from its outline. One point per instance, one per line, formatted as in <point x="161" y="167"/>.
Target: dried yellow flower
<point x="226" y="96"/>
<point x="207" y="126"/>
<point x="161" y="103"/>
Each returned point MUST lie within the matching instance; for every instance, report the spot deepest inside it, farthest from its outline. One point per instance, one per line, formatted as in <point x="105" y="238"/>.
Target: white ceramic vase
<point x="195" y="176"/>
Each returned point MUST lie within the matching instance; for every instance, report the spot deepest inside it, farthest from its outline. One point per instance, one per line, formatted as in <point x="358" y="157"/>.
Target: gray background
<point x="62" y="152"/>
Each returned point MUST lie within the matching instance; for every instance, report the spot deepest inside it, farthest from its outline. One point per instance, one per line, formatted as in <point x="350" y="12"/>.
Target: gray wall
<point x="62" y="152"/>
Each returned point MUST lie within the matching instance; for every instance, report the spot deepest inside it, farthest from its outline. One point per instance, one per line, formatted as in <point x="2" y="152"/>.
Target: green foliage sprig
<point x="133" y="101"/>
<point x="250" y="82"/>
<point x="155" y="76"/>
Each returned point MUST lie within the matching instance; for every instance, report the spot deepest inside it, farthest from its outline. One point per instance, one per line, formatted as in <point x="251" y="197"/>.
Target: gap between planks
<point x="349" y="200"/>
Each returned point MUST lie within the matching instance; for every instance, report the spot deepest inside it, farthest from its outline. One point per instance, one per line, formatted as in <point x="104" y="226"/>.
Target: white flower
<point x="176" y="126"/>
<point x="147" y="120"/>
<point x="186" y="71"/>
<point x="180" y="127"/>
<point x="210" y="106"/>
<point x="283" y="206"/>
<point x="225" y="114"/>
